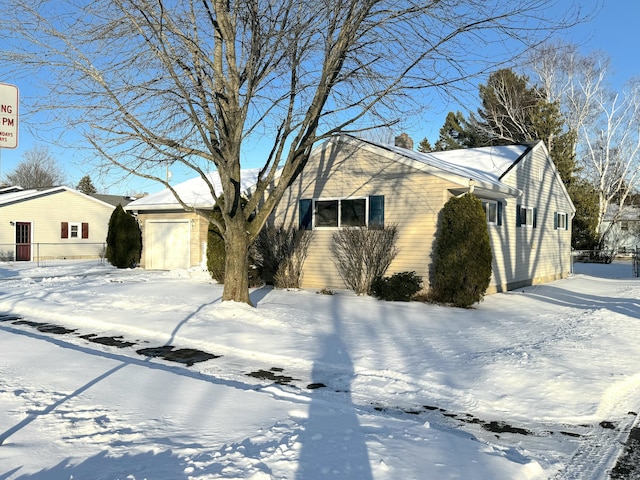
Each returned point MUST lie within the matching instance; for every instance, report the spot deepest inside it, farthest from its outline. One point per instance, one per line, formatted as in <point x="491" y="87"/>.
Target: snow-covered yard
<point x="532" y="384"/>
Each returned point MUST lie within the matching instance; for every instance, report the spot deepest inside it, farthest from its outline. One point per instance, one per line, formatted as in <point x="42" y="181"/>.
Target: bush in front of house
<point x="124" y="240"/>
<point x="461" y="267"/>
<point x="280" y="253"/>
<point x="362" y="254"/>
<point x="399" y="287"/>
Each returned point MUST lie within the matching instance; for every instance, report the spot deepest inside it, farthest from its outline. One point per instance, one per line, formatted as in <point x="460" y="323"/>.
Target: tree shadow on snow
<point x="333" y="444"/>
<point x="104" y="466"/>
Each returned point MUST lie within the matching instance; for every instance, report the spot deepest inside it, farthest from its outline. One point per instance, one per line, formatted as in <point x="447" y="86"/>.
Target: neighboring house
<point x="56" y="222"/>
<point x="528" y="209"/>
<point x="173" y="238"/>
<point x="348" y="180"/>
<point x="623" y="235"/>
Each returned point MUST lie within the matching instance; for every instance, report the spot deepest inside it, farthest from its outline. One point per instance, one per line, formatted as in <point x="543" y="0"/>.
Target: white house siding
<point x="412" y="201"/>
<point x="532" y="255"/>
<point x="46" y="214"/>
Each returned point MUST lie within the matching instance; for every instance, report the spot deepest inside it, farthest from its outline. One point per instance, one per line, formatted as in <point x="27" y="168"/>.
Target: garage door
<point x="167" y="245"/>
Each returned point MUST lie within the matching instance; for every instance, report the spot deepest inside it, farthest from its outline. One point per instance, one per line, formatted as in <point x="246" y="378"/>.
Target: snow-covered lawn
<point x="533" y="384"/>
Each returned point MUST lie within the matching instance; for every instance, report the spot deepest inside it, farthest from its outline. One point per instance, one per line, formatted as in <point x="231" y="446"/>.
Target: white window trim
<point x="565" y="218"/>
<point x="486" y="204"/>
<point x="339" y="200"/>
<point x="528" y="216"/>
<point x="78" y="226"/>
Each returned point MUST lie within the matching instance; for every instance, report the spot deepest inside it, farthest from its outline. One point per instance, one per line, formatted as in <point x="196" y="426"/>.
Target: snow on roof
<point x="484" y="164"/>
<point x="194" y="192"/>
<point x="17" y="194"/>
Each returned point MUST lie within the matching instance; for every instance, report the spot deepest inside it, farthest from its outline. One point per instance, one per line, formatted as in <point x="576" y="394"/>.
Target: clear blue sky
<point x="614" y="30"/>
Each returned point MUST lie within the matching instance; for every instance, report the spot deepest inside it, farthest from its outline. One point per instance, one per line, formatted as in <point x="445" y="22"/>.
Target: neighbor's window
<point x="624" y="225"/>
<point x="562" y="221"/>
<point x="336" y="213"/>
<point x="74" y="229"/>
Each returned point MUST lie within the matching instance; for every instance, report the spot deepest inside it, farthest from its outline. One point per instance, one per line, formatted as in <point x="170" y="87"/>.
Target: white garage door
<point x="167" y="245"/>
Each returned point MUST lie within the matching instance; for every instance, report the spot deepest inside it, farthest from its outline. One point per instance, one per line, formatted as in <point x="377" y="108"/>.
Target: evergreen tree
<point x="584" y="229"/>
<point x="456" y="133"/>
<point x="124" y="240"/>
<point x="461" y="269"/>
<point x="424" y="146"/>
<point x="85" y="185"/>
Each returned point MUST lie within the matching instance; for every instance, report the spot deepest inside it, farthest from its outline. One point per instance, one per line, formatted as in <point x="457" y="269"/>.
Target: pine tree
<point x="85" y="185"/>
<point x="456" y="133"/>
<point x="124" y="240"/>
<point x="424" y="146"/>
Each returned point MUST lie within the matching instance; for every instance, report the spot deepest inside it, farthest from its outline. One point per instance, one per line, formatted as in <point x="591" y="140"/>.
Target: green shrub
<point x="216" y="255"/>
<point x="124" y="240"/>
<point x="399" y="287"/>
<point x="461" y="267"/>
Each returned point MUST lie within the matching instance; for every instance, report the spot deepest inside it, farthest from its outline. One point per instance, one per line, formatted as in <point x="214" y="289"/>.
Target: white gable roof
<point x="17" y="195"/>
<point x="194" y="192"/>
<point x="485" y="165"/>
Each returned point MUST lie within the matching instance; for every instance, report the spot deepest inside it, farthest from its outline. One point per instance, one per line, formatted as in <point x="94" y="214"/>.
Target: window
<point x="526" y="216"/>
<point x="561" y="221"/>
<point x="336" y="213"/>
<point x="74" y="230"/>
<point x="624" y="225"/>
<point x="493" y="209"/>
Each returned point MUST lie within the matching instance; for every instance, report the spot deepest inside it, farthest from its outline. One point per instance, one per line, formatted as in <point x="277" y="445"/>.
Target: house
<point x="528" y="209"/>
<point x="57" y="222"/>
<point x="172" y="237"/>
<point x="622" y="228"/>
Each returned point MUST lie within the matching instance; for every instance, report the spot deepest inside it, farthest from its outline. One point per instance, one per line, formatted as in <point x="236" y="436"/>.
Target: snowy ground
<point x="533" y="384"/>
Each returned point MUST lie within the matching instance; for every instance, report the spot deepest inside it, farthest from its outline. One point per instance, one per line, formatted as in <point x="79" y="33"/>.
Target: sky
<point x="534" y="384"/>
<point x="613" y="30"/>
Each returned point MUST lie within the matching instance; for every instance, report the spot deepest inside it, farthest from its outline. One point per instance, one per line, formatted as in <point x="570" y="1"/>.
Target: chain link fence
<point x="41" y="253"/>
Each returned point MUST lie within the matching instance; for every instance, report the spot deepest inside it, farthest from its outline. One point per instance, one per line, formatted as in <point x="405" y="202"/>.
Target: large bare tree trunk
<point x="236" y="279"/>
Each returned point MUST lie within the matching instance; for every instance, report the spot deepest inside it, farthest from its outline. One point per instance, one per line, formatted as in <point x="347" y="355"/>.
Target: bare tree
<point x="152" y="82"/>
<point x="606" y="122"/>
<point x="37" y="169"/>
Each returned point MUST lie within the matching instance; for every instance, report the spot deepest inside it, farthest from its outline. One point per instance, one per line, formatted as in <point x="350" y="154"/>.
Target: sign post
<point x="8" y="116"/>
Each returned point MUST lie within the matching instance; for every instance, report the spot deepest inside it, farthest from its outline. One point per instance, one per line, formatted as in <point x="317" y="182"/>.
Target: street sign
<point x="8" y="116"/>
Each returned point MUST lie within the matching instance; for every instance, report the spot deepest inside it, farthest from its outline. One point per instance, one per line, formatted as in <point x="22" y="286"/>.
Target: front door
<point x="23" y="241"/>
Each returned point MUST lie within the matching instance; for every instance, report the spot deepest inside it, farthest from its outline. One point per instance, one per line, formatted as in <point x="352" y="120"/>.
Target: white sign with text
<point x="8" y="116"/>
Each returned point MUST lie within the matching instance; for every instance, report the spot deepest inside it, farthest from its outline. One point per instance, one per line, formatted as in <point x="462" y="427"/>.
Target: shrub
<point x="399" y="287"/>
<point x="362" y="254"/>
<point x="280" y="252"/>
<point x="124" y="240"/>
<point x="461" y="267"/>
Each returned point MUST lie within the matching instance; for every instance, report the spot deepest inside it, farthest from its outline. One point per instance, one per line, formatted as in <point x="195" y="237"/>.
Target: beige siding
<point x="413" y="200"/>
<point x="199" y="224"/>
<point x="46" y="214"/>
<point x="525" y="255"/>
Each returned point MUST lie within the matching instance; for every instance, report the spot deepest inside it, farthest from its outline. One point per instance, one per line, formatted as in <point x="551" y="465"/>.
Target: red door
<point x="23" y="241"/>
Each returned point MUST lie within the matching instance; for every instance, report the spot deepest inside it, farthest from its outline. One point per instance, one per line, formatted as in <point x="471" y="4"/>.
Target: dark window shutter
<point x="305" y="214"/>
<point x="555" y="220"/>
<point x="566" y="223"/>
<point x="64" y="230"/>
<point x="376" y="210"/>
<point x="518" y="221"/>
<point x="535" y="217"/>
<point x="85" y="230"/>
<point x="499" y="213"/>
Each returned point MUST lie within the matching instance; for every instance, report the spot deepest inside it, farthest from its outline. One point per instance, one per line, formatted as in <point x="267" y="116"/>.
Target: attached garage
<point x="168" y="244"/>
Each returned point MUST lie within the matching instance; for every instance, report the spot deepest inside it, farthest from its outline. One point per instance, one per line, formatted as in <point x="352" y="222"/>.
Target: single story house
<point x="57" y="222"/>
<point x="528" y="209"/>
